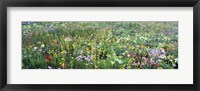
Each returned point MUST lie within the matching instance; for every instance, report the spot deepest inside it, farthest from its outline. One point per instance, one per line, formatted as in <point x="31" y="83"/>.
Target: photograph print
<point x="99" y="44"/>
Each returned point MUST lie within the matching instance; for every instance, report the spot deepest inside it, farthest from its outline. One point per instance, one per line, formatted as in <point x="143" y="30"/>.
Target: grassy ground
<point x="99" y="45"/>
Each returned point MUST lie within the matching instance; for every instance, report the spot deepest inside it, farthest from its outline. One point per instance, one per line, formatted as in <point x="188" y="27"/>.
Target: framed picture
<point x="90" y="45"/>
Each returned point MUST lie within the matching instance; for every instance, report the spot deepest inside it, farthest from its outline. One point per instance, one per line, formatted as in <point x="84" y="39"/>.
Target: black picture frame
<point x="100" y="3"/>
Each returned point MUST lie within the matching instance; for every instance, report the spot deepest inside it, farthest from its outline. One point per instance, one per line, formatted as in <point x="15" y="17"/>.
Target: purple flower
<point x="163" y="51"/>
<point x="153" y="52"/>
<point x="88" y="58"/>
<point x="80" y="57"/>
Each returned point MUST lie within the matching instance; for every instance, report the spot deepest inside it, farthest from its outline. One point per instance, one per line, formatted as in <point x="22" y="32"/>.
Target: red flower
<point x="156" y="65"/>
<point x="147" y="63"/>
<point x="48" y="58"/>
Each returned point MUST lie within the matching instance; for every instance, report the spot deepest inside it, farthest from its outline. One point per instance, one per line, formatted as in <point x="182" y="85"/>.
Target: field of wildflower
<point x="100" y="45"/>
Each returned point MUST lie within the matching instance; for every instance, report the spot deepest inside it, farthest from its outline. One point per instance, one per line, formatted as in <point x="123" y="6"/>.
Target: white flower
<point x="65" y="39"/>
<point x="42" y="46"/>
<point x="40" y="50"/>
<point x="176" y="59"/>
<point x="151" y="60"/>
<point x="68" y="39"/>
<point x="174" y="65"/>
<point x="35" y="48"/>
<point x="118" y="60"/>
<point x="49" y="67"/>
<point x="159" y="60"/>
<point x="162" y="56"/>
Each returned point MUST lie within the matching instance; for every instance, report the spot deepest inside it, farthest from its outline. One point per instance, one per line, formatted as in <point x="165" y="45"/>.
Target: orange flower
<point x="48" y="58"/>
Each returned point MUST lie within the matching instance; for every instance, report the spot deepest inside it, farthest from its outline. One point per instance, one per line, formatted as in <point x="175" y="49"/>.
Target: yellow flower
<point x="120" y="46"/>
<point x="142" y="46"/>
<point x="159" y="68"/>
<point x="129" y="67"/>
<point x="124" y="65"/>
<point x="63" y="52"/>
<point x="108" y="55"/>
<point x="63" y="59"/>
<point x="112" y="62"/>
<point x="63" y="65"/>
<point x="130" y="60"/>
<point x="73" y="45"/>
<point x="49" y="52"/>
<point x="95" y="66"/>
<point x="55" y="55"/>
<point x="104" y="61"/>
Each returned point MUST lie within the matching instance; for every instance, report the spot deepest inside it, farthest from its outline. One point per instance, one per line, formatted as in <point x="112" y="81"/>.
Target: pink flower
<point x="144" y="58"/>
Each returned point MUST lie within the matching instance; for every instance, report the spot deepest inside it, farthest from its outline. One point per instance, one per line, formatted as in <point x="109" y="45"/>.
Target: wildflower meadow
<point x="100" y="45"/>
